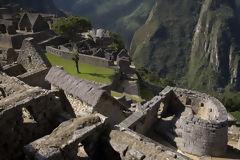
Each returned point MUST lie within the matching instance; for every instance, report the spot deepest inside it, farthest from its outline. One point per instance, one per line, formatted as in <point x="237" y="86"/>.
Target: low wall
<point x="82" y="58"/>
<point x="14" y="69"/>
<point x="36" y="78"/>
<point x="55" y="41"/>
<point x="15" y="41"/>
<point x="26" y="120"/>
<point x="5" y="41"/>
<point x="65" y="139"/>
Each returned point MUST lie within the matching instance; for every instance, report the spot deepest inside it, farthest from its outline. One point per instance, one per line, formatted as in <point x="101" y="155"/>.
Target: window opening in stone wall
<point x="29" y="59"/>
<point x="188" y="101"/>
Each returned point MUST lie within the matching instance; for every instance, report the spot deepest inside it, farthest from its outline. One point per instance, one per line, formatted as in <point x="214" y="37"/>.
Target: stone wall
<point x="5" y="41"/>
<point x="131" y="145"/>
<point x="194" y="122"/>
<point x="54" y="41"/>
<point x="14" y="69"/>
<point x="63" y="143"/>
<point x="31" y="56"/>
<point x="82" y="58"/>
<point x="106" y="106"/>
<point x="111" y="108"/>
<point x="86" y="97"/>
<point x="9" y="55"/>
<point x="15" y="41"/>
<point x="201" y="137"/>
<point x="199" y="127"/>
<point x="36" y="78"/>
<point x="142" y="121"/>
<point x="79" y="107"/>
<point x="25" y="117"/>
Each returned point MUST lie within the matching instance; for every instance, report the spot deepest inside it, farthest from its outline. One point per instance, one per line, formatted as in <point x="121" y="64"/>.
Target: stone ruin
<point x="76" y="119"/>
<point x="29" y="63"/>
<point x="193" y="122"/>
<point x="26" y="113"/>
<point x="15" y="26"/>
<point x="84" y="97"/>
<point x="47" y="114"/>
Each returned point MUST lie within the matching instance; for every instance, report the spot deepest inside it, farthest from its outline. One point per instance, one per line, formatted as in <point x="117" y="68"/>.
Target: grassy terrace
<point x="118" y="95"/>
<point x="87" y="71"/>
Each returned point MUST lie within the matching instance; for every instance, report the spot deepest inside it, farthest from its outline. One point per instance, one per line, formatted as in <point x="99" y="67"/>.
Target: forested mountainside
<point x="196" y="43"/>
<point x="122" y="16"/>
<point x="43" y="6"/>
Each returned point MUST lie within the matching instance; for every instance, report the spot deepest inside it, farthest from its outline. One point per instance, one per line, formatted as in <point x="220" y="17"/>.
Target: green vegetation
<point x="123" y="16"/>
<point x="145" y="93"/>
<point x="231" y="101"/>
<point x="164" y="48"/>
<point x="88" y="72"/>
<point x="154" y="79"/>
<point x="118" y="95"/>
<point x="163" y="44"/>
<point x="117" y="41"/>
<point x="236" y="114"/>
<point x="70" y="26"/>
<point x="75" y="58"/>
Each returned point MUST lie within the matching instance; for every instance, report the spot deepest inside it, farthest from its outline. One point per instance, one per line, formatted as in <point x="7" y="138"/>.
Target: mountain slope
<point x="195" y="43"/>
<point x="163" y="43"/>
<point x="43" y="6"/>
<point x="215" y="54"/>
<point x="124" y="16"/>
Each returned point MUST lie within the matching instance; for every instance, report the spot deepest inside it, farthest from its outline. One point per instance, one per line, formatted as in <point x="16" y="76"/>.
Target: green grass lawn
<point x="118" y="95"/>
<point x="87" y="71"/>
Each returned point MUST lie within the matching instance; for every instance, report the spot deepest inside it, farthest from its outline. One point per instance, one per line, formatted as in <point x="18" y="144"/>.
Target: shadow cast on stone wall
<point x="101" y="146"/>
<point x="166" y="124"/>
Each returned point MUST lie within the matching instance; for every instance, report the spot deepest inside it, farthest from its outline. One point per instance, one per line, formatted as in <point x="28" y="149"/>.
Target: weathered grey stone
<point x="136" y="154"/>
<point x="63" y="142"/>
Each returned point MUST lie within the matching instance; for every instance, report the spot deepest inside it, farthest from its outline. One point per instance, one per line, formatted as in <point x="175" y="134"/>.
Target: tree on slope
<point x="75" y="58"/>
<point x="71" y="26"/>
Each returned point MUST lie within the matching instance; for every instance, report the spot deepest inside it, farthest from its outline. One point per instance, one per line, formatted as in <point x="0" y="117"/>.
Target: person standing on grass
<point x="75" y="58"/>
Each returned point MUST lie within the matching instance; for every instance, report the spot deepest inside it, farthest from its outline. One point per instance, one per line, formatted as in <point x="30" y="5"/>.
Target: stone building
<point x="85" y="97"/>
<point x="26" y="113"/>
<point x="124" y="62"/>
<point x="101" y="37"/>
<point x="32" y="22"/>
<point x="29" y="64"/>
<point x="193" y="122"/>
<point x="9" y="55"/>
<point x="31" y="56"/>
<point x="7" y="26"/>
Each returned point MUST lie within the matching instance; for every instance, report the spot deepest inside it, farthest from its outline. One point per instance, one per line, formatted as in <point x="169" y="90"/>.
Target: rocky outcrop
<point x="215" y="46"/>
<point x="163" y="43"/>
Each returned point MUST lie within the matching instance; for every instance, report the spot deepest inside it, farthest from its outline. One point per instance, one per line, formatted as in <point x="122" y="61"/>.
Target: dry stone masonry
<point x="201" y="127"/>
<point x="48" y="114"/>
<point x="26" y="113"/>
<point x="193" y="122"/>
<point x="86" y="97"/>
<point x="78" y="120"/>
